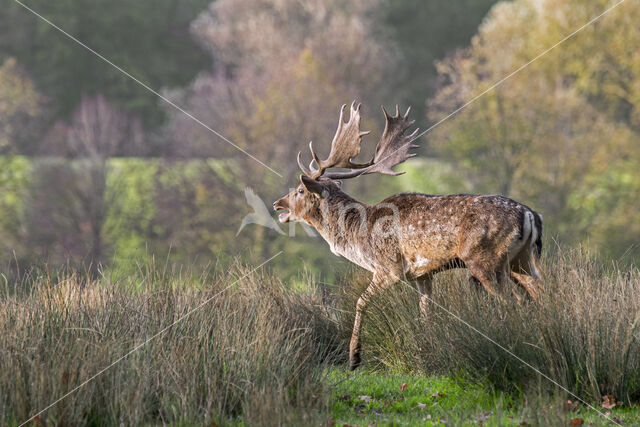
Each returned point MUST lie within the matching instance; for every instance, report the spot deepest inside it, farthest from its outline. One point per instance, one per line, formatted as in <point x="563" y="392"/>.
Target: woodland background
<point x="99" y="174"/>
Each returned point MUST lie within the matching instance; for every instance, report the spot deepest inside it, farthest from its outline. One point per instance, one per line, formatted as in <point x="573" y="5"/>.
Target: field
<point x="238" y="346"/>
<point x="145" y="148"/>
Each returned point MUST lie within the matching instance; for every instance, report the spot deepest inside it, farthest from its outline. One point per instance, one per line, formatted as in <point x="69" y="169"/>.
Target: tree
<point x="149" y="39"/>
<point x="545" y="135"/>
<point x="424" y="32"/>
<point x="70" y="199"/>
<point x="20" y="106"/>
<point x="284" y="68"/>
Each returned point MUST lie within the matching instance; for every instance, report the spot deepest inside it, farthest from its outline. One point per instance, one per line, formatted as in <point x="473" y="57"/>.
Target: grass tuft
<point x="253" y="352"/>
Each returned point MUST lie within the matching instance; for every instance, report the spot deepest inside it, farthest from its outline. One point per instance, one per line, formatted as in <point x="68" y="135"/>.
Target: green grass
<point x="386" y="398"/>
<point x="366" y="397"/>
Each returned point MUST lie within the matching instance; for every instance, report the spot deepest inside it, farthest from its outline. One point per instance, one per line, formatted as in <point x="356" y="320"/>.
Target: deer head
<point x="318" y="183"/>
<point x="303" y="203"/>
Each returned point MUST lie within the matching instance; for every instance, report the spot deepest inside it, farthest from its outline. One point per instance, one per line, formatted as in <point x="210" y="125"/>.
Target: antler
<point x="392" y="149"/>
<point x="345" y="146"/>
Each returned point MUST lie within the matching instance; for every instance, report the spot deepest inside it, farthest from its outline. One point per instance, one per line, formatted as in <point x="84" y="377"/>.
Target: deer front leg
<point x="376" y="285"/>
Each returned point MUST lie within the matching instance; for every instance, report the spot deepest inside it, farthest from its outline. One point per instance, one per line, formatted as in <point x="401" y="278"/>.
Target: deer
<point x="410" y="236"/>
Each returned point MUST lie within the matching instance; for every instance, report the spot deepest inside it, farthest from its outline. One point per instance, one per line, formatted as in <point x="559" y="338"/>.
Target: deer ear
<point x="312" y="185"/>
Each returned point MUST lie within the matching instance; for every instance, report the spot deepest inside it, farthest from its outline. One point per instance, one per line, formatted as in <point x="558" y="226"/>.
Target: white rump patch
<point x="529" y="234"/>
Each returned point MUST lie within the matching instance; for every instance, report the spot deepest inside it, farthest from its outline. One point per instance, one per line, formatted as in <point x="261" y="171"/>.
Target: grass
<point x="253" y="353"/>
<point x="583" y="332"/>
<point x="385" y="398"/>
<point x="263" y="353"/>
<point x="368" y="397"/>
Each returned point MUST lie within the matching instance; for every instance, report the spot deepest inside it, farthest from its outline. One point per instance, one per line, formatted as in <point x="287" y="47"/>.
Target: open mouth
<point x="284" y="216"/>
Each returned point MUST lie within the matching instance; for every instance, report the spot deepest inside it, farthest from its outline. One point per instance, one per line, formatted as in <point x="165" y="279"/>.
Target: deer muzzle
<point x="282" y="204"/>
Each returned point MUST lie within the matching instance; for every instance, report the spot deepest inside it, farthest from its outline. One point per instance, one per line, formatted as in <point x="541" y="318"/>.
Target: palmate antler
<point x="392" y="149"/>
<point x="345" y="145"/>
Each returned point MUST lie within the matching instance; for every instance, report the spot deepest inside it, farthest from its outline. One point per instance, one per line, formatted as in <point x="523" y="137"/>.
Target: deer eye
<point x="300" y="191"/>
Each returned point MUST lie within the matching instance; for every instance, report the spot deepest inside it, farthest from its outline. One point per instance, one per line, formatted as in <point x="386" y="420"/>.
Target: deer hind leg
<point x="529" y="266"/>
<point x="377" y="284"/>
<point x="525" y="274"/>
<point x="483" y="268"/>
<point x="484" y="277"/>
<point x="527" y="283"/>
<point x="502" y="279"/>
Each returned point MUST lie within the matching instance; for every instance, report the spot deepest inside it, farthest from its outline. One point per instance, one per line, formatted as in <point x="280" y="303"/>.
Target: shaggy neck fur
<point x="340" y="219"/>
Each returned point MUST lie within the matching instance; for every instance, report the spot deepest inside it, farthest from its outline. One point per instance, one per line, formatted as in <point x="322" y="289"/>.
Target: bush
<point x="582" y="332"/>
<point x="255" y="350"/>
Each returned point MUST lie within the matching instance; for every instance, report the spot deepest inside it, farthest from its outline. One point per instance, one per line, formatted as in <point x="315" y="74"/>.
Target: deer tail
<point x="531" y="230"/>
<point x="537" y="232"/>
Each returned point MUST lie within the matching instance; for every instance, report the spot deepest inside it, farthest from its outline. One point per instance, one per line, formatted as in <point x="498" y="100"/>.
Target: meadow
<point x="134" y="132"/>
<point x="236" y="346"/>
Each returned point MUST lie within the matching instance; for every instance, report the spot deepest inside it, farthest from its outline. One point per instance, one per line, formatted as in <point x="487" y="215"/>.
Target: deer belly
<point x="428" y="252"/>
<point x="416" y="266"/>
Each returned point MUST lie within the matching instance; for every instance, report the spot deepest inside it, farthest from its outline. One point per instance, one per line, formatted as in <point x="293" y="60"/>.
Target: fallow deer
<point x="410" y="236"/>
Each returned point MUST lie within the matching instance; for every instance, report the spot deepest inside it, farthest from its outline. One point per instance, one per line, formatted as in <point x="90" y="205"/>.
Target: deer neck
<point x="338" y="218"/>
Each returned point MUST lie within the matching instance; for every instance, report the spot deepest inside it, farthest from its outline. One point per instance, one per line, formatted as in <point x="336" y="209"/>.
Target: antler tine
<point x="314" y="158"/>
<point x="384" y="110"/>
<point x="304" y="170"/>
<point x="311" y="172"/>
<point x="413" y="134"/>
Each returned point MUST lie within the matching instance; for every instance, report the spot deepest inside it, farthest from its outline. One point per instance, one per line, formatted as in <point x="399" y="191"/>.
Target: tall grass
<point x="254" y="352"/>
<point x="257" y="351"/>
<point x="583" y="332"/>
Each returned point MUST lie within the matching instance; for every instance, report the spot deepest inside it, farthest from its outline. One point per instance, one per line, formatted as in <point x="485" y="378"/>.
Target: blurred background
<point x="97" y="173"/>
